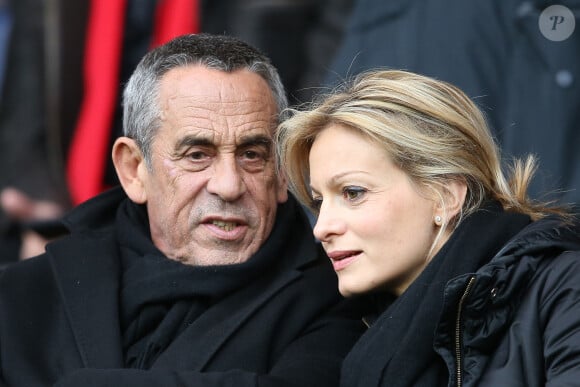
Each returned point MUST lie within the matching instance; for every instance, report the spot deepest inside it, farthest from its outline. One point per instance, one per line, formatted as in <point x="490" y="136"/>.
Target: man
<point x="201" y="270"/>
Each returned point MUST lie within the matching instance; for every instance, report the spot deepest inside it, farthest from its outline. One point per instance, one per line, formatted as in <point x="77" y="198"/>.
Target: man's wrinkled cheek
<point x="261" y="187"/>
<point x="269" y="179"/>
<point x="172" y="171"/>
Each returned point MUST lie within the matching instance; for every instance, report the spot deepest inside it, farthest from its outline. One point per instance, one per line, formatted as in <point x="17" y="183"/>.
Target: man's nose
<point x="226" y="181"/>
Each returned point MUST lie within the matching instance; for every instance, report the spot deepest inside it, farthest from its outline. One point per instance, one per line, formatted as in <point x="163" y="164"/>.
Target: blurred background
<point x="63" y="64"/>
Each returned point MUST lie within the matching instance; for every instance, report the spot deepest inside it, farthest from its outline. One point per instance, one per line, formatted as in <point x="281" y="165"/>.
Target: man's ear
<point x="453" y="196"/>
<point x="131" y="169"/>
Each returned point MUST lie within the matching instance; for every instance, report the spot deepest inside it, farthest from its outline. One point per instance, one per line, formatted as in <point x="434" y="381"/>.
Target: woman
<point x="474" y="283"/>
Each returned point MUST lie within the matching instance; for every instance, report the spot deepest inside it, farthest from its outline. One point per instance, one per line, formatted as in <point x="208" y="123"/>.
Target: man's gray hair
<point x="141" y="111"/>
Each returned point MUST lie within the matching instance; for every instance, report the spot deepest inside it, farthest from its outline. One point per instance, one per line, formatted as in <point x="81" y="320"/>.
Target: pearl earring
<point x="438" y="220"/>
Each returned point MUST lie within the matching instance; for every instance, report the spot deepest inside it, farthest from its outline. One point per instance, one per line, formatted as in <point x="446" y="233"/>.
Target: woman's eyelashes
<point x="352" y="194"/>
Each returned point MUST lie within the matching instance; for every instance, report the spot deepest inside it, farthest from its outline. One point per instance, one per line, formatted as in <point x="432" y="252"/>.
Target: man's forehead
<point x="215" y="86"/>
<point x="218" y="95"/>
<point x="211" y="123"/>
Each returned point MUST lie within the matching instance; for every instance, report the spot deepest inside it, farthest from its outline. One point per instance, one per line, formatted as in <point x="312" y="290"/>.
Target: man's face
<point x="212" y="192"/>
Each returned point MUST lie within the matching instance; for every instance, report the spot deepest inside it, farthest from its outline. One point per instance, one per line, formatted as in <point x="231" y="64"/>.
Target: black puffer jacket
<point x="518" y="318"/>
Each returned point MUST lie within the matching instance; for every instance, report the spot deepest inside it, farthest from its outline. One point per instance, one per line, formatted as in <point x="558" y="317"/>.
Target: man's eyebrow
<point x="258" y="139"/>
<point x="190" y="141"/>
<point x="245" y="141"/>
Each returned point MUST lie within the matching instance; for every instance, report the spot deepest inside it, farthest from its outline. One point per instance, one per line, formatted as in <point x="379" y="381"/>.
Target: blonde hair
<point x="430" y="129"/>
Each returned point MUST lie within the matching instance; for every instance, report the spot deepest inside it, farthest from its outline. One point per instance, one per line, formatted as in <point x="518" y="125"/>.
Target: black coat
<point x="60" y="319"/>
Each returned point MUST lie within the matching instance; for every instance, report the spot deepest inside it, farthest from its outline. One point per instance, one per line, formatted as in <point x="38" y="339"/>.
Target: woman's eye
<point x="316" y="203"/>
<point x="352" y="193"/>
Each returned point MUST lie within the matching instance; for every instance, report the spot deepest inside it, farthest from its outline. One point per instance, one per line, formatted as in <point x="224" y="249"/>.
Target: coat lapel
<point x="193" y="350"/>
<point x="87" y="272"/>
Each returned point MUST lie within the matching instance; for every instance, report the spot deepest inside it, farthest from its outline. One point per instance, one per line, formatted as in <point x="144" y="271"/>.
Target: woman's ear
<point x="453" y="198"/>
<point x="130" y="164"/>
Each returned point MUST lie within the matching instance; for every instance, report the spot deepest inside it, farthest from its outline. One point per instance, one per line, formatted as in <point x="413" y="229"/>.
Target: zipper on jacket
<point x="458" y="333"/>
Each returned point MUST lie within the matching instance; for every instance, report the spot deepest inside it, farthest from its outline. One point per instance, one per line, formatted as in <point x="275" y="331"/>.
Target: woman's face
<point x="373" y="223"/>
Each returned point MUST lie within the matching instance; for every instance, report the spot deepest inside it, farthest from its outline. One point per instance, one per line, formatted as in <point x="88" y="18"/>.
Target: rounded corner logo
<point x="557" y="23"/>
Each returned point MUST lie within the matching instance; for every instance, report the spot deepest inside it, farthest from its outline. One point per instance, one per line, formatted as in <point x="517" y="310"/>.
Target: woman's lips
<point x="341" y="259"/>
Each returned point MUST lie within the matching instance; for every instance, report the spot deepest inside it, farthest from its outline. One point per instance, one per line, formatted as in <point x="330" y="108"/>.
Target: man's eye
<point x="252" y="155"/>
<point x="198" y="155"/>
<point x="253" y="160"/>
<point x="352" y="193"/>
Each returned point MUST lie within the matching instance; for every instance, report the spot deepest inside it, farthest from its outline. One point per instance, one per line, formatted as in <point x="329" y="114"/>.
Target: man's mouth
<point x="226" y="226"/>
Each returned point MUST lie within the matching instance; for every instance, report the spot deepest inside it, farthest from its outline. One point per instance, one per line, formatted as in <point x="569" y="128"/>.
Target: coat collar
<point x="87" y="273"/>
<point x="550" y="233"/>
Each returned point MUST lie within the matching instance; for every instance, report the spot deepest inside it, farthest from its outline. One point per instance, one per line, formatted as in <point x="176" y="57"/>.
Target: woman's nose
<point x="328" y="224"/>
